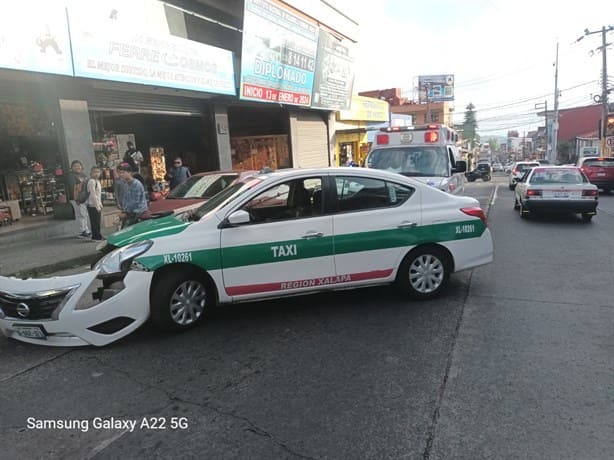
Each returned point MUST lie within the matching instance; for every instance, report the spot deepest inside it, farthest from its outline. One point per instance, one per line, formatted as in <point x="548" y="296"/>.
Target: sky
<point x="501" y="53"/>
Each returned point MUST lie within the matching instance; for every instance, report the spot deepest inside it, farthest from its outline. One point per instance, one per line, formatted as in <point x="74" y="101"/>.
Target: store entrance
<point x="31" y="167"/>
<point x="159" y="137"/>
<point x="259" y="137"/>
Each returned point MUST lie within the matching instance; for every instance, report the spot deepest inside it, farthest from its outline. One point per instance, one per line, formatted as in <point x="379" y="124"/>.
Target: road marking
<point x="494" y="196"/>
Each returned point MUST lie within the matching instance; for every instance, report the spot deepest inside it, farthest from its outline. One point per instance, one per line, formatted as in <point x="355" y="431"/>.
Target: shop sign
<point x="34" y="36"/>
<point x="279" y="54"/>
<point x="334" y="76"/>
<point x="366" y="109"/>
<point x="106" y="46"/>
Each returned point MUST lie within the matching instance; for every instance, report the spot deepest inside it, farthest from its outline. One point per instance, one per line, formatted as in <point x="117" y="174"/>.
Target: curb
<point x="36" y="272"/>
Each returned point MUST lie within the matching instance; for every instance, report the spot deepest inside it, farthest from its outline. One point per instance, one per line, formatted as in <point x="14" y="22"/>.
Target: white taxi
<point x="284" y="233"/>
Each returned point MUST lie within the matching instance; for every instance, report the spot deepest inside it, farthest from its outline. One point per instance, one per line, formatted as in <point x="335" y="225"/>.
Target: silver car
<point x="556" y="189"/>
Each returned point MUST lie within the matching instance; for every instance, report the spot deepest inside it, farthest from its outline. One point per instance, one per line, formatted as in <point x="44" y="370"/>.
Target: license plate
<point x="561" y="195"/>
<point x="31" y="332"/>
<point x="600" y="174"/>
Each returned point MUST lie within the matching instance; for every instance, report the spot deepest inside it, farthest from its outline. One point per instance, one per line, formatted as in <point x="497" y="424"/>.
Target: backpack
<point x="83" y="194"/>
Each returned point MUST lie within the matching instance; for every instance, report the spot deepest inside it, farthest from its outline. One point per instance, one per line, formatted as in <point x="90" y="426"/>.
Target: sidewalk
<point x="39" y="250"/>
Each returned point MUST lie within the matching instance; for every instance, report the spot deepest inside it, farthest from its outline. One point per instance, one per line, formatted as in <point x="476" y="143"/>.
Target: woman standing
<point x="94" y="203"/>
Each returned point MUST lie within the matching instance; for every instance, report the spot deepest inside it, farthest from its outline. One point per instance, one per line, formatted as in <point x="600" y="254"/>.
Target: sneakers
<point x="84" y="235"/>
<point x="96" y="240"/>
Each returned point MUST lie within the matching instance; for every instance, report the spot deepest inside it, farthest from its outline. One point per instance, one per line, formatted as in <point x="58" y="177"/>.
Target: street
<point x="516" y="360"/>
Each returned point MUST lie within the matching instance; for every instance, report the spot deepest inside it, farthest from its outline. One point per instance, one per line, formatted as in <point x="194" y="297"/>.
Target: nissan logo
<point x="23" y="311"/>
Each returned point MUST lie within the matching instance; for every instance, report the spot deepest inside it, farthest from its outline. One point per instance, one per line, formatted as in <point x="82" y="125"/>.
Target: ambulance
<point x="427" y="153"/>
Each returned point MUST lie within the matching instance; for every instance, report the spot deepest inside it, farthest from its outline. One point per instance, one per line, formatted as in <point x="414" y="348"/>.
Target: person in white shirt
<point x="94" y="203"/>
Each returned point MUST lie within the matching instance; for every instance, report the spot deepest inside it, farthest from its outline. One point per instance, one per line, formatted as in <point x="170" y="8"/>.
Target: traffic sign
<point x="609" y="141"/>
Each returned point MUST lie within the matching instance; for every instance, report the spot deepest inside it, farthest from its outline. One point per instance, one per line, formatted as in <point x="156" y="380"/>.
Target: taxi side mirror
<point x="239" y="217"/>
<point x="460" y="166"/>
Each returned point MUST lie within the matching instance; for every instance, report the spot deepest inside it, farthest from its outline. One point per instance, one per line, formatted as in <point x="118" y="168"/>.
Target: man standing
<point x="129" y="156"/>
<point x="76" y="182"/>
<point x="94" y="203"/>
<point x="132" y="201"/>
<point x="178" y="174"/>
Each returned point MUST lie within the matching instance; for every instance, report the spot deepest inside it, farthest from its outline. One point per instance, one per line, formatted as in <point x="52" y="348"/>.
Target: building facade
<point x="224" y="85"/>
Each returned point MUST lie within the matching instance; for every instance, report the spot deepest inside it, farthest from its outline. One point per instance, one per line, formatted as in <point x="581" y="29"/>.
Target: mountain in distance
<point x="502" y="140"/>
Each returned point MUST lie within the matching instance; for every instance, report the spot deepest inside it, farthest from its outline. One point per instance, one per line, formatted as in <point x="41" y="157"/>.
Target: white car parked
<point x="284" y="233"/>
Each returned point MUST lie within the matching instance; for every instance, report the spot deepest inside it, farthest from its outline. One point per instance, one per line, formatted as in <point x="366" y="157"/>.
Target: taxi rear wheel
<point x="180" y="299"/>
<point x="424" y="272"/>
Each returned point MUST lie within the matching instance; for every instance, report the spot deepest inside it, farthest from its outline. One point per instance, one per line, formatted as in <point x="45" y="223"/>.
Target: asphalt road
<point x="515" y="361"/>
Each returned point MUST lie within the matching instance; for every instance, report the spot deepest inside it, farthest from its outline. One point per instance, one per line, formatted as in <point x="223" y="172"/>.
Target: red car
<point x="599" y="170"/>
<point x="198" y="189"/>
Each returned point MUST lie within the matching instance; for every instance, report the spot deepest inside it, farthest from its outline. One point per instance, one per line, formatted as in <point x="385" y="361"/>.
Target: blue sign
<point x="279" y="54"/>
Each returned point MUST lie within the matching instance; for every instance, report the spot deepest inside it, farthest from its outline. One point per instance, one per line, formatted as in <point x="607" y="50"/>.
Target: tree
<point x="470" y="124"/>
<point x="494" y="145"/>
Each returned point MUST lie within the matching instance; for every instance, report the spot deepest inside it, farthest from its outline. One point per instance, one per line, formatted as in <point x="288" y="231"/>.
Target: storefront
<point x="32" y="167"/>
<point x="352" y="126"/>
<point x="86" y="78"/>
<point x="84" y="95"/>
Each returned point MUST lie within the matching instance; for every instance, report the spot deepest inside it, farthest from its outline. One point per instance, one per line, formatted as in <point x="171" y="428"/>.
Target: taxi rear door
<point x="375" y="223"/>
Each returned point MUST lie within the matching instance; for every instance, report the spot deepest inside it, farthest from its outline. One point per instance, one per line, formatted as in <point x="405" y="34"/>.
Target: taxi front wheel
<point x="424" y="272"/>
<point x="179" y="300"/>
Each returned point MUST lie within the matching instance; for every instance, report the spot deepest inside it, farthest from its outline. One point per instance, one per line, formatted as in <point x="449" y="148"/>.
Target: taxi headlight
<point x="119" y="261"/>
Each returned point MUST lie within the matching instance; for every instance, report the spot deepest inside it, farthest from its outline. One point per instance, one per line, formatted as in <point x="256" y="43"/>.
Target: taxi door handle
<point x="310" y="235"/>
<point x="406" y="224"/>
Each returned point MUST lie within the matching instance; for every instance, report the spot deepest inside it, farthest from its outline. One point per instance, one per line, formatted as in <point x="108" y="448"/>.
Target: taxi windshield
<point x="202" y="186"/>
<point x="426" y="161"/>
<point x="226" y="195"/>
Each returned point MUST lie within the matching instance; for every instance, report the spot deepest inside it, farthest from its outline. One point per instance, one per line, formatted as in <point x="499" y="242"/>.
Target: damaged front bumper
<point x="74" y="310"/>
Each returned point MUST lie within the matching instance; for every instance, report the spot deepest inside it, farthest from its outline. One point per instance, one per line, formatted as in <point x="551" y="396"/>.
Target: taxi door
<point x="376" y="222"/>
<point x="286" y="247"/>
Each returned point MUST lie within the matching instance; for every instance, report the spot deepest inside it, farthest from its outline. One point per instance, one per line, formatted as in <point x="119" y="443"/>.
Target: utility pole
<point x="547" y="154"/>
<point x="555" y="122"/>
<point x="603" y="99"/>
<point x="428" y="103"/>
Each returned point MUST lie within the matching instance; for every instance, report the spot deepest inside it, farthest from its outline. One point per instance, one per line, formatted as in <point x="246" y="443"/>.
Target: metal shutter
<point x="310" y="139"/>
<point x="138" y="102"/>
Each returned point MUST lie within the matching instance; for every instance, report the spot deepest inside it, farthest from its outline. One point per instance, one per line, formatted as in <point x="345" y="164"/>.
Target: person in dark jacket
<point x="178" y="174"/>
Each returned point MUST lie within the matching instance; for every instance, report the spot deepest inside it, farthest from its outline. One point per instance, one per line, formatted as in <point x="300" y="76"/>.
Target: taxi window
<point x="361" y="193"/>
<point x="297" y="198"/>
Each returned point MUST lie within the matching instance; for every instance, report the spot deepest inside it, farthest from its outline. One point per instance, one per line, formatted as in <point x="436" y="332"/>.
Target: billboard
<point x="436" y="88"/>
<point x="334" y="75"/>
<point x="34" y="37"/>
<point x="279" y="54"/>
<point x="106" y="45"/>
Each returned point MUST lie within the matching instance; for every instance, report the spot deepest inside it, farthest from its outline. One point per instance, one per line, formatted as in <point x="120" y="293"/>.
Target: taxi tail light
<point x="475" y="212"/>
<point x="590" y="192"/>
<point x="431" y="136"/>
<point x="532" y="192"/>
<point x="382" y="139"/>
